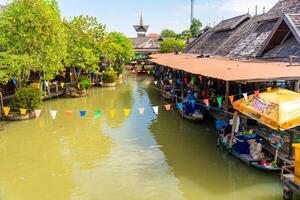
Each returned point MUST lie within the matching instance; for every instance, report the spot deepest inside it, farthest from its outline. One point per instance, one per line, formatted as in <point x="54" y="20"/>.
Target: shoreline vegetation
<point x="45" y="56"/>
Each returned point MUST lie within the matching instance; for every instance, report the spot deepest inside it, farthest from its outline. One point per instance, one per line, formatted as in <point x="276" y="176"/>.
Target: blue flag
<point x="82" y="113"/>
<point x="180" y="106"/>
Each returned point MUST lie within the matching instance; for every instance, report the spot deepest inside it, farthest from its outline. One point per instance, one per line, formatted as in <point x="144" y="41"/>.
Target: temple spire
<point x="141" y="19"/>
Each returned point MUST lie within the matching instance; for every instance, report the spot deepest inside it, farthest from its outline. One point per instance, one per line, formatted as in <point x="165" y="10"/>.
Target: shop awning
<point x="229" y="70"/>
<point x="278" y="109"/>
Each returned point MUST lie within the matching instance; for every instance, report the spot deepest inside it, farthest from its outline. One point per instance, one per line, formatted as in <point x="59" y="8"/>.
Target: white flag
<point x="155" y="82"/>
<point x="53" y="113"/>
<point x="155" y="109"/>
<point x="37" y="113"/>
<point x="141" y="111"/>
<point x="245" y="96"/>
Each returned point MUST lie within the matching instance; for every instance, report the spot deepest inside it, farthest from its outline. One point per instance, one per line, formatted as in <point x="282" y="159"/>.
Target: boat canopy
<point x="278" y="109"/>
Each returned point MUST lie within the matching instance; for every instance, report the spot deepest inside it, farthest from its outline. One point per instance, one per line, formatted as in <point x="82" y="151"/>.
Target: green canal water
<point x="136" y="157"/>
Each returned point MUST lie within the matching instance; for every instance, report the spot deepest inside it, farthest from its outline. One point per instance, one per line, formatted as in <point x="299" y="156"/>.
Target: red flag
<point x="69" y="113"/>
<point x="206" y="101"/>
<point x="168" y="107"/>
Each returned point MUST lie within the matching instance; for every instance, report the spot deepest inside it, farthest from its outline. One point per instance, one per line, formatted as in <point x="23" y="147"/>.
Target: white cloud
<point x="242" y="6"/>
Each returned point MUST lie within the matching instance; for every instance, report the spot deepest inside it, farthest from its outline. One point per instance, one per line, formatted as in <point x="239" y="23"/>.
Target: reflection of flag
<point x="53" y="113"/>
<point x="97" y="113"/>
<point x="82" y="113"/>
<point x="155" y="109"/>
<point x="62" y="85"/>
<point x="69" y="113"/>
<point x="126" y="112"/>
<point x="37" y="113"/>
<point x="112" y="113"/>
<point x="23" y="111"/>
<point x="245" y="96"/>
<point x="6" y="110"/>
<point x="206" y="101"/>
<point x="180" y="106"/>
<point x="141" y="111"/>
<point x="168" y="107"/>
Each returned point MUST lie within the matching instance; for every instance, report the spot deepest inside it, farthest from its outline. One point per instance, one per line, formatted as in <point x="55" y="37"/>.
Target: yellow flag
<point x="269" y="89"/>
<point x="112" y="113"/>
<point x="62" y="85"/>
<point x="171" y="82"/>
<point x="6" y="110"/>
<point x="126" y="112"/>
<point x="23" y="111"/>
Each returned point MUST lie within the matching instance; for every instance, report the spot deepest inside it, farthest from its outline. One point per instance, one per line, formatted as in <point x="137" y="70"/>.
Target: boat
<point x="190" y="112"/>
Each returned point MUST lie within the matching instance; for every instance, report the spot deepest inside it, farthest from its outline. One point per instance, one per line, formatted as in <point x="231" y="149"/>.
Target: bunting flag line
<point x="245" y="96"/>
<point x="97" y="113"/>
<point x="112" y="113"/>
<point x="155" y="109"/>
<point x="82" y="113"/>
<point x="62" y="85"/>
<point x="219" y="99"/>
<point x="23" y="111"/>
<point x="231" y="98"/>
<point x="37" y="113"/>
<point x="126" y="112"/>
<point x="53" y="114"/>
<point x="69" y="113"/>
<point x="256" y="93"/>
<point x="6" y="110"/>
<point x="206" y="101"/>
<point x="141" y="111"/>
<point x="168" y="107"/>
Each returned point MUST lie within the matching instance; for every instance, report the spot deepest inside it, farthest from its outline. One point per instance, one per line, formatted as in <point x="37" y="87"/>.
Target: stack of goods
<point x="256" y="150"/>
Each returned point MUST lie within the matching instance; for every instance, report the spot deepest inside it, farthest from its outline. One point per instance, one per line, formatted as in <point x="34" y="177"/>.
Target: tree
<point x="117" y="50"/>
<point x="172" y="45"/>
<point x="195" y="27"/>
<point x="32" y="38"/>
<point x="168" y="33"/>
<point x="85" y="36"/>
<point x="185" y="35"/>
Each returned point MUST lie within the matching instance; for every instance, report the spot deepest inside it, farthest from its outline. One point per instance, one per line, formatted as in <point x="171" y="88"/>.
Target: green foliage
<point x="109" y="76"/>
<point x="172" y="45"/>
<point x="85" y="37"/>
<point x="84" y="82"/>
<point x="168" y="33"/>
<point x="32" y="38"/>
<point x="186" y="34"/>
<point x="117" y="49"/>
<point x="195" y="27"/>
<point x="119" y="70"/>
<point x="28" y="98"/>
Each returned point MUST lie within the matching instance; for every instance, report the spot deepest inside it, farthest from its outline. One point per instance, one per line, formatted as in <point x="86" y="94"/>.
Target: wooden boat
<point x="196" y="116"/>
<point x="290" y="183"/>
<point x="167" y="92"/>
<point x="247" y="158"/>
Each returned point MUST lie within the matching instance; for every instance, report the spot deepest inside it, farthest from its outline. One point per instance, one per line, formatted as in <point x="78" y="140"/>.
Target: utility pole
<point x="192" y="10"/>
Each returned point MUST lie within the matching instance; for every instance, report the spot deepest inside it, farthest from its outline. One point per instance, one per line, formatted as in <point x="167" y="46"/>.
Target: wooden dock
<point x="290" y="187"/>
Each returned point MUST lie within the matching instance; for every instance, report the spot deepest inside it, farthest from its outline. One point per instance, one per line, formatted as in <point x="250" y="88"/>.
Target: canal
<point x="122" y="157"/>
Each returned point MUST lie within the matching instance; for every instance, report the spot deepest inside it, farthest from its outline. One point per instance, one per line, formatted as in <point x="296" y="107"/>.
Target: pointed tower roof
<point x="141" y="28"/>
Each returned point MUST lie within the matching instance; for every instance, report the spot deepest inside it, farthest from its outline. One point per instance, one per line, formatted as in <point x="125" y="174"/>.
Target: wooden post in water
<point x="297" y="86"/>
<point x="234" y="124"/>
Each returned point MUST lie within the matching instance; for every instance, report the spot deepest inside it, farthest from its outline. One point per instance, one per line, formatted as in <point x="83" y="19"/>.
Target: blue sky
<point x="120" y="15"/>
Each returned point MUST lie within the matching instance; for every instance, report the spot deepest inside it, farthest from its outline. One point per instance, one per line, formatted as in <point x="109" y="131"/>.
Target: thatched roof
<point x="145" y="44"/>
<point x="232" y="23"/>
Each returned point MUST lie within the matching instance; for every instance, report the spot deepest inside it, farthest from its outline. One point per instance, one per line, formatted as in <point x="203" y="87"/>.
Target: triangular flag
<point x="69" y="113"/>
<point x="245" y="96"/>
<point x="206" y="101"/>
<point x="6" y="110"/>
<point x="14" y="80"/>
<point x="82" y="113"/>
<point x="256" y="93"/>
<point x="155" y="82"/>
<point x="53" y="113"/>
<point x="269" y="89"/>
<point x="112" y="113"/>
<point x="126" y="112"/>
<point x="193" y="103"/>
<point x="141" y="111"/>
<point x="200" y="78"/>
<point x="162" y="82"/>
<point x="219" y="99"/>
<point x="231" y="98"/>
<point x="148" y="72"/>
<point x="62" y="85"/>
<point x="47" y="83"/>
<point x="97" y="113"/>
<point x="155" y="109"/>
<point x="171" y="82"/>
<point x="168" y="107"/>
<point x="37" y="113"/>
<point x="185" y="79"/>
<point x="180" y="106"/>
<point x="23" y="111"/>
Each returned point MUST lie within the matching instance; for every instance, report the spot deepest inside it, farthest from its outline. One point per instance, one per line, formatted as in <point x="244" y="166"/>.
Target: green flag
<point x="219" y="99"/>
<point x="98" y="113"/>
